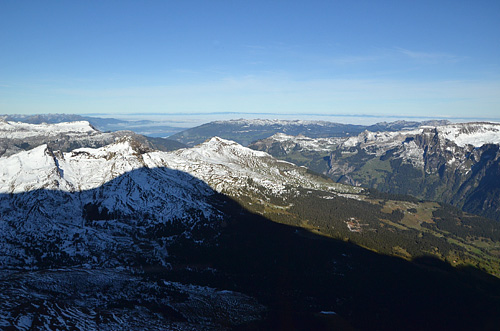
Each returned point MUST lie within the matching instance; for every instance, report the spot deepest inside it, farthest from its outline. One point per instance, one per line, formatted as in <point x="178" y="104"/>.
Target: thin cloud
<point x="356" y="59"/>
<point x="255" y="47"/>
<point x="427" y="56"/>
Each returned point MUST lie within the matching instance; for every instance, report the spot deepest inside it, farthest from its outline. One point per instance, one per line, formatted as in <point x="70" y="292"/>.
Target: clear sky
<point x="380" y="58"/>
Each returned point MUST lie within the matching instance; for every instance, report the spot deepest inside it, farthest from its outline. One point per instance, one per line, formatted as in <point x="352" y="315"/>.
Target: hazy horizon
<point x="183" y="121"/>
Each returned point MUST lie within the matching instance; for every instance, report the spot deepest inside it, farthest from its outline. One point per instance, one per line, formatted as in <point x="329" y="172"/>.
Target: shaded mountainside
<point x="110" y="225"/>
<point x="85" y="256"/>
<point x="456" y="164"/>
<point x="95" y="268"/>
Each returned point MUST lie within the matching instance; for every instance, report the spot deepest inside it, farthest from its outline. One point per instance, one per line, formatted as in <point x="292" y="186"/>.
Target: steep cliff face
<point x="454" y="163"/>
<point x="480" y="192"/>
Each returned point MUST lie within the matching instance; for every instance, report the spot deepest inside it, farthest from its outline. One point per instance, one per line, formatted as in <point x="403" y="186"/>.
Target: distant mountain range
<point x="19" y="136"/>
<point x="454" y="163"/>
<point x="242" y="131"/>
<point x="245" y="131"/>
<point x="106" y="231"/>
<point x="143" y="127"/>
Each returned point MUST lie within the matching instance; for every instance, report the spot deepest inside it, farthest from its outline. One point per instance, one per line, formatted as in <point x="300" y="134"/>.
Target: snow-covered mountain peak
<point x="21" y="130"/>
<point x="224" y="150"/>
<point x="217" y="141"/>
<point x="222" y="164"/>
<point x="30" y="170"/>
<point x="475" y="134"/>
<point x="383" y="138"/>
<point x="299" y="142"/>
<point x="462" y="134"/>
<point x="117" y="149"/>
<point x="123" y="146"/>
<point x="80" y="169"/>
<point x="281" y="137"/>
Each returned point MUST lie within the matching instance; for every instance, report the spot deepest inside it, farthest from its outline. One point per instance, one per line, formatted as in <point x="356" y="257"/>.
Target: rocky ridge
<point x="455" y="163"/>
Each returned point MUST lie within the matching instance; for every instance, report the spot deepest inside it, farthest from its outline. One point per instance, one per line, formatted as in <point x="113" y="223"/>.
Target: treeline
<point x="376" y="194"/>
<point x="331" y="215"/>
<point x="453" y="220"/>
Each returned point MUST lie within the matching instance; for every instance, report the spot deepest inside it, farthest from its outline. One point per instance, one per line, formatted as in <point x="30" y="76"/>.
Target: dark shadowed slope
<point x="158" y="249"/>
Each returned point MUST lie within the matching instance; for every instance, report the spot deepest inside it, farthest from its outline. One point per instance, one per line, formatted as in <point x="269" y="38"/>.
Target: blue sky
<point x="379" y="58"/>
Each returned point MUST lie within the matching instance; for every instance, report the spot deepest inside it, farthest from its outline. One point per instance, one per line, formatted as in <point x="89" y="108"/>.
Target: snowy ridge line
<point x="222" y="164"/>
<point x="475" y="134"/>
<point x="462" y="134"/>
<point x="19" y="130"/>
<point x="242" y="121"/>
<point x="314" y="144"/>
<point x="385" y="137"/>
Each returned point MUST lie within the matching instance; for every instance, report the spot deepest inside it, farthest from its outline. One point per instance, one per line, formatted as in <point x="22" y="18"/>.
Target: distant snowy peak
<point x="462" y="134"/>
<point x="302" y="138"/>
<point x="401" y="125"/>
<point x="16" y="137"/>
<point x="19" y="130"/>
<point x="227" y="149"/>
<point x="475" y="134"/>
<point x="289" y="142"/>
<point x="282" y="137"/>
<point x="367" y="138"/>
